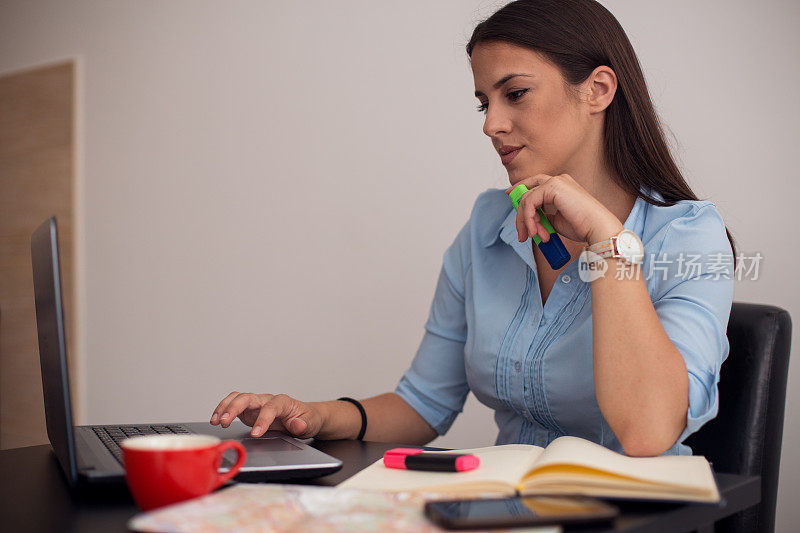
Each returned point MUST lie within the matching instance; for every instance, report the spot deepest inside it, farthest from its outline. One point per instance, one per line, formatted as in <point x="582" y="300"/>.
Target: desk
<point x="34" y="496"/>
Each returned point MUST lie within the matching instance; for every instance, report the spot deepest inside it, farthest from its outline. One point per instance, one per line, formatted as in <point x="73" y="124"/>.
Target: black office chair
<point x="1" y="355"/>
<point x="745" y="437"/>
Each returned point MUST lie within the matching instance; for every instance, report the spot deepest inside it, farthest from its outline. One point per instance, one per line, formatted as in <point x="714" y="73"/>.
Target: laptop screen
<point x="52" y="344"/>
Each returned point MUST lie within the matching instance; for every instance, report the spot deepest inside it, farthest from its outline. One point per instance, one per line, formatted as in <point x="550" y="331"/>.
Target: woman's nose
<point x="496" y="122"/>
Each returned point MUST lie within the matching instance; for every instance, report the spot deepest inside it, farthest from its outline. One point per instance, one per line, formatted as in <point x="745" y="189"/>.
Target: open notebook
<point x="569" y="465"/>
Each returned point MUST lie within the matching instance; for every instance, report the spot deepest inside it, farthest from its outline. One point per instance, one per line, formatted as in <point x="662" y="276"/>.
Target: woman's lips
<point x="506" y="159"/>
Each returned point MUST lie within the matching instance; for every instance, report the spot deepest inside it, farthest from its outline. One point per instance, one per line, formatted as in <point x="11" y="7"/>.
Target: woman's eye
<point x="513" y="96"/>
<point x="516" y="95"/>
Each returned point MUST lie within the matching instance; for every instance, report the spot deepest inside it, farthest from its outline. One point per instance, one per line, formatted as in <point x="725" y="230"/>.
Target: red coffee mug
<point x="164" y="469"/>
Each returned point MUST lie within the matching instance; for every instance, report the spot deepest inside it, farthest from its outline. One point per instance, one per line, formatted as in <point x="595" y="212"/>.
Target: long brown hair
<point x="578" y="36"/>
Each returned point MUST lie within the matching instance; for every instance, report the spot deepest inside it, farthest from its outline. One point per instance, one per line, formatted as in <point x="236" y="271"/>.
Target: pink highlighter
<point x="417" y="459"/>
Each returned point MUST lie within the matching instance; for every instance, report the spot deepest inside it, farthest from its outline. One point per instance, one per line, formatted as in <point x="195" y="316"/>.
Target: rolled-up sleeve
<point x="435" y="385"/>
<point x="693" y="293"/>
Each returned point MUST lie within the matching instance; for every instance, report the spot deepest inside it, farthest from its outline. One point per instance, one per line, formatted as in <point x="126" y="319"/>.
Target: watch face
<point x="630" y="246"/>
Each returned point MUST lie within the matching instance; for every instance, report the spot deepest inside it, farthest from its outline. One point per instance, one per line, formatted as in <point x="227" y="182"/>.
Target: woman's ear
<point x="601" y="86"/>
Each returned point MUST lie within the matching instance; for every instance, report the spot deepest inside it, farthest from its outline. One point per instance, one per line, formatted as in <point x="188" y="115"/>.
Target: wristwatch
<point x="625" y="245"/>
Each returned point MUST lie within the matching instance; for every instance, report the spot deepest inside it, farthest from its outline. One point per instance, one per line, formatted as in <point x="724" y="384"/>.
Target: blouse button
<point x="565" y="278"/>
<point x="517" y="366"/>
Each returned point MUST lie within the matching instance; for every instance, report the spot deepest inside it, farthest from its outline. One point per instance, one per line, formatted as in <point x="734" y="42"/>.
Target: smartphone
<point x="523" y="511"/>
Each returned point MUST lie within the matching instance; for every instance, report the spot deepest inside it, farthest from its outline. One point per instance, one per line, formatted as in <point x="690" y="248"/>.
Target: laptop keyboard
<point x="111" y="436"/>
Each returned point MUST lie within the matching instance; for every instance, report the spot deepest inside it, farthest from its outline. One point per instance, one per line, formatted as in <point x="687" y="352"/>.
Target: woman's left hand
<point x="579" y="215"/>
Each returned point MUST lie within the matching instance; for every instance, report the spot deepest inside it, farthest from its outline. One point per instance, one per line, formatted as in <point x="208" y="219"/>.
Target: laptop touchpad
<point x="260" y="452"/>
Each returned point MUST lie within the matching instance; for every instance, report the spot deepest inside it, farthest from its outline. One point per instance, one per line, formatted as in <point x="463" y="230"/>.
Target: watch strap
<point x="606" y="248"/>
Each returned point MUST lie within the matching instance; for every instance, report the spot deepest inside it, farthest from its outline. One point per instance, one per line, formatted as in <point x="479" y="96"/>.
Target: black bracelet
<point x="363" y="415"/>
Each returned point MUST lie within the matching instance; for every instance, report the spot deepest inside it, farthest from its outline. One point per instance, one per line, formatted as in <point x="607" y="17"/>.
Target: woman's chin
<point x="520" y="172"/>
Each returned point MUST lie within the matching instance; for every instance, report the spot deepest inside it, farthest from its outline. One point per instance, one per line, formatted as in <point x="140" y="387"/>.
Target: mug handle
<point x="242" y="457"/>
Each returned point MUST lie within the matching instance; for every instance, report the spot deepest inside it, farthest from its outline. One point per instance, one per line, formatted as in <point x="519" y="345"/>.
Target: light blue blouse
<point x="487" y="331"/>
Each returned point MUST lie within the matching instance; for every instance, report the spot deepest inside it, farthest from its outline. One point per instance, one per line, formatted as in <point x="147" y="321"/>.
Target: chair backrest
<point x="745" y="437"/>
<point x="1" y="395"/>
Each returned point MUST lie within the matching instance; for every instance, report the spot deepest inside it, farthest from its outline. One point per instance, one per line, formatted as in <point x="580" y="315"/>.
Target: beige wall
<point x="268" y="188"/>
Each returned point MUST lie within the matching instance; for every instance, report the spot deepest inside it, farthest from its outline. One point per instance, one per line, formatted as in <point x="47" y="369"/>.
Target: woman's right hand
<point x="267" y="411"/>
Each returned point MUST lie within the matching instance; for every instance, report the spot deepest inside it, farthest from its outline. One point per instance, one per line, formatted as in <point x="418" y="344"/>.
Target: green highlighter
<point x="553" y="250"/>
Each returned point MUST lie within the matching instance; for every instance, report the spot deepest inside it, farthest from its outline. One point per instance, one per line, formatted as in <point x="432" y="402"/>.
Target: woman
<point x="630" y="359"/>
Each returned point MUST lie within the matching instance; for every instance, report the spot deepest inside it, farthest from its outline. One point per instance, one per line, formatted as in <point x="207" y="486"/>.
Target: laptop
<point x="91" y="454"/>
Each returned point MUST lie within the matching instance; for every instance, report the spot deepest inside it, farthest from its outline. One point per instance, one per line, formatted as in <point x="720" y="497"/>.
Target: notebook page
<point x="677" y="471"/>
<point x="499" y="465"/>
